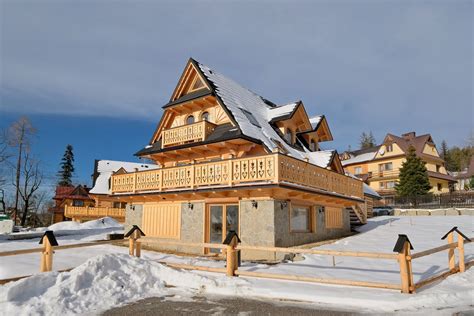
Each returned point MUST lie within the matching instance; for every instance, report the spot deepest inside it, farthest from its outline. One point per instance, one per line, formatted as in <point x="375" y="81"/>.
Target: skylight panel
<point x="250" y="117"/>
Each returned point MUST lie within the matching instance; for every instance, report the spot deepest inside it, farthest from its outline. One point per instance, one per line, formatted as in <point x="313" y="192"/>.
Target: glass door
<point x="221" y="219"/>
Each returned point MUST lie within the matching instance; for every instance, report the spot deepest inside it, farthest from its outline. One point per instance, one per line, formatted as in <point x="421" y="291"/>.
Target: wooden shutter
<point x="162" y="220"/>
<point x="333" y="217"/>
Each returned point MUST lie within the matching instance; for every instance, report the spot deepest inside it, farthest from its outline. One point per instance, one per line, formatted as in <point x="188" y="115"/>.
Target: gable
<point x="190" y="81"/>
<point x="430" y="149"/>
<point x="384" y="152"/>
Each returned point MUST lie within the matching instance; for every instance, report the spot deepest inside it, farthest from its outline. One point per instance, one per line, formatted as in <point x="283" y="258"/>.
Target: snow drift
<point x="105" y="222"/>
<point x="104" y="282"/>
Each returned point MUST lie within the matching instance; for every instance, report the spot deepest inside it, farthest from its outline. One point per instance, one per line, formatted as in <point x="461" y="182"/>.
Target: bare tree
<point x="30" y="181"/>
<point x="19" y="136"/>
<point x="4" y="155"/>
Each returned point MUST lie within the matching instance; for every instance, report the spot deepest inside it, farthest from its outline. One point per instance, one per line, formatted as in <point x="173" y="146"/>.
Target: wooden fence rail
<point x="231" y="246"/>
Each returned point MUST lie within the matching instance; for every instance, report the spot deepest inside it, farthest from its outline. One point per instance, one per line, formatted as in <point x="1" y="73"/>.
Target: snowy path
<point x="379" y="235"/>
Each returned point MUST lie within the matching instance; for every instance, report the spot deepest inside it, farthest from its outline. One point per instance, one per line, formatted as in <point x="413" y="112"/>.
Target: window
<point x="77" y="203"/>
<point x="119" y="204"/>
<point x="289" y="136"/>
<point x="438" y="167"/>
<point x="250" y="117"/>
<point x="300" y="219"/>
<point x="357" y="170"/>
<point x="440" y="186"/>
<point x="382" y="185"/>
<point x="389" y="148"/>
<point x="190" y="119"/>
<point x="386" y="166"/>
<point x="333" y="217"/>
<point x="390" y="184"/>
<point x="205" y="116"/>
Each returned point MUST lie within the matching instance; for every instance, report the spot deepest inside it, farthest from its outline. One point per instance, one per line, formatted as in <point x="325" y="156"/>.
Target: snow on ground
<point x="108" y="280"/>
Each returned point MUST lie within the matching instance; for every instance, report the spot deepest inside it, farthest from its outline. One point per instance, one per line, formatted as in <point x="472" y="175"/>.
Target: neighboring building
<point x="69" y="196"/>
<point x="231" y="160"/>
<point x="83" y="204"/>
<point x="380" y="166"/>
<point x="463" y="178"/>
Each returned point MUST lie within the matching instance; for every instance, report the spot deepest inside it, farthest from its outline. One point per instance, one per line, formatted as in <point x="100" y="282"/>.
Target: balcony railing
<point x="384" y="174"/>
<point x="93" y="212"/>
<point x="187" y="133"/>
<point x="272" y="168"/>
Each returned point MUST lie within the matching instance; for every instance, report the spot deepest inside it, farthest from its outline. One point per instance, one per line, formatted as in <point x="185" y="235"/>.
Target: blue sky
<point x="96" y="73"/>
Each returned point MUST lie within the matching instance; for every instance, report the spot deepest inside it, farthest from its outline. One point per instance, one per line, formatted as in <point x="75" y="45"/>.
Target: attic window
<point x="250" y="117"/>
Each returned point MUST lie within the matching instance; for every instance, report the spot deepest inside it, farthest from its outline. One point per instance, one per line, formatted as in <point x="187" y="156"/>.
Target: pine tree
<point x="367" y="140"/>
<point x="444" y="150"/>
<point x="67" y="167"/>
<point x="414" y="179"/>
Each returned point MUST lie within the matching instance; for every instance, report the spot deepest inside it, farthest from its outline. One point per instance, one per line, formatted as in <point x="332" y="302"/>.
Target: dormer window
<point x="313" y="145"/>
<point x="389" y="148"/>
<point x="205" y="116"/>
<point x="190" y="119"/>
<point x="289" y="136"/>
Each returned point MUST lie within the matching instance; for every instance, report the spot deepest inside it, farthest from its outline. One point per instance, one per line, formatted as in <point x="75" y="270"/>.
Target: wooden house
<point x="69" y="196"/>
<point x="380" y="166"/>
<point x="231" y="160"/>
<point x="99" y="204"/>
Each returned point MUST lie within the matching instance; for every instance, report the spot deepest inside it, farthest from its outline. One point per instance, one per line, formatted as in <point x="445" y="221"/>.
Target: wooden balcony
<point x="384" y="174"/>
<point x="195" y="132"/>
<point x="86" y="212"/>
<point x="269" y="169"/>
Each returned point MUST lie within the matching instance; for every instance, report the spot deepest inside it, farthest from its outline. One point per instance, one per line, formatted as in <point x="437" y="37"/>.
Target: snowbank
<point x="103" y="282"/>
<point x="106" y="222"/>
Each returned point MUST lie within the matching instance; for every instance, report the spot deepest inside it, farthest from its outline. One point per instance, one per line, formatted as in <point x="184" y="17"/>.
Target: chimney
<point x="409" y="135"/>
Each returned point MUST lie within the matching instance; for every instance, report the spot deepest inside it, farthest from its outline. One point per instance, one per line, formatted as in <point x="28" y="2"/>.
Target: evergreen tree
<point x="367" y="140"/>
<point x="67" y="167"/>
<point x="414" y="179"/>
<point x="444" y="150"/>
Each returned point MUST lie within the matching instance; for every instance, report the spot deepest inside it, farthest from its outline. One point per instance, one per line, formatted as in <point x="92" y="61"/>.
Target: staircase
<point x="358" y="215"/>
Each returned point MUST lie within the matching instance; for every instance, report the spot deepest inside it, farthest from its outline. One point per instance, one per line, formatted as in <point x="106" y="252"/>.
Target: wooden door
<point x="220" y="219"/>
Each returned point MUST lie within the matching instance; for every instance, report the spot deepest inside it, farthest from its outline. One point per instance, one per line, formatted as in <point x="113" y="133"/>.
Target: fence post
<point x="134" y="247"/>
<point x="49" y="242"/>
<point x="451" y="258"/>
<point x="231" y="240"/>
<point x="461" y="237"/>
<point x="462" y="266"/>
<point x="403" y="247"/>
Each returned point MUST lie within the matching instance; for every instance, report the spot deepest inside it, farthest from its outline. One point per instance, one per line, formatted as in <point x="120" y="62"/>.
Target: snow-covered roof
<point x="253" y="114"/>
<point x="321" y="158"/>
<point x="359" y="158"/>
<point x="282" y="110"/>
<point x="315" y="120"/>
<point x="369" y="191"/>
<point x="105" y="169"/>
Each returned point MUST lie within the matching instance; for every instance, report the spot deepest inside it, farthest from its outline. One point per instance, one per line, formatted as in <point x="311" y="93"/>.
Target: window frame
<point x="78" y="203"/>
<point x="188" y="117"/>
<point x="309" y="217"/>
<point x="356" y="169"/>
<point x="205" y="113"/>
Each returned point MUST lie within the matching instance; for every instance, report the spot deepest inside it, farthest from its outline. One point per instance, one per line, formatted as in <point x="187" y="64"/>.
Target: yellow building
<point x="229" y="160"/>
<point x="380" y="166"/>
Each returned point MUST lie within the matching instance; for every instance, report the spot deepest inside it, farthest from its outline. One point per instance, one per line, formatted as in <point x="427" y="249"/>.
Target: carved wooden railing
<point x="186" y="133"/>
<point x="272" y="168"/>
<point x="86" y="211"/>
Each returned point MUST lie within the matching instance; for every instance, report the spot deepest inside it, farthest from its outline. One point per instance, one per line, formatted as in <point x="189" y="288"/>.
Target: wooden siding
<point x="333" y="217"/>
<point x="273" y="168"/>
<point x="162" y="220"/>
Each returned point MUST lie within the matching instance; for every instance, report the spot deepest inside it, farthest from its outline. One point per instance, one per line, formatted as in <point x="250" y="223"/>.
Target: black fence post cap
<point x="455" y="229"/>
<point x="134" y="228"/>
<point x="230" y="236"/>
<point x="402" y="238"/>
<point x="51" y="238"/>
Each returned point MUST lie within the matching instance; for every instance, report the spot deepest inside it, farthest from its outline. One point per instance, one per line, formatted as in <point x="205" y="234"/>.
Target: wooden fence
<point x="230" y="247"/>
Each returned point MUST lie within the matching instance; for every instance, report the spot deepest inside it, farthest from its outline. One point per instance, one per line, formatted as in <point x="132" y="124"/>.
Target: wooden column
<point x="451" y="258"/>
<point x="131" y="246"/>
<point x="462" y="266"/>
<point x="138" y="244"/>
